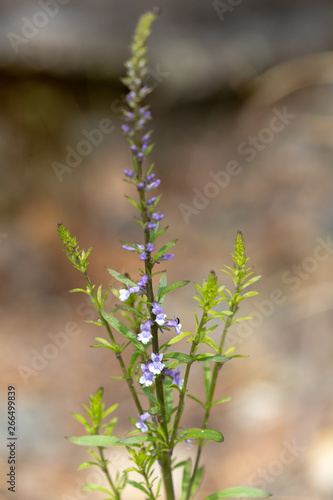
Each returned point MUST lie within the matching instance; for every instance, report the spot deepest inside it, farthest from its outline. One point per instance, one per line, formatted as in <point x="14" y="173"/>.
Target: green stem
<point x="107" y="474"/>
<point x="218" y="366"/>
<point x="180" y="408"/>
<point x="165" y="452"/>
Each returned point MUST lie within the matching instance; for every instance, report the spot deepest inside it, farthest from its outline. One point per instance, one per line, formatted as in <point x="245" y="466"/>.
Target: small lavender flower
<point x="156" y="366"/>
<point x="174" y="324"/>
<point x="147" y="379"/>
<point x="158" y="311"/>
<point x="167" y="256"/>
<point x="143" y="281"/>
<point x="150" y="247"/>
<point x="142" y="425"/>
<point x="175" y="375"/>
<point x="145" y="334"/>
<point x="143" y="256"/>
<point x="153" y="185"/>
<point x="125" y="293"/>
<point x="150" y="225"/>
<point x="157" y="216"/>
<point x="129" y="173"/>
<point x="151" y="201"/>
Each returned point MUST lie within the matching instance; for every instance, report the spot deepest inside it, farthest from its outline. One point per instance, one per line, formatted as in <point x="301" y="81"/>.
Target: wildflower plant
<point x="157" y="378"/>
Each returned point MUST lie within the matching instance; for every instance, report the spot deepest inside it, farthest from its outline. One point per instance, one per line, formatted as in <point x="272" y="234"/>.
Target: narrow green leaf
<point x="84" y="465"/>
<point x="221" y="400"/>
<point x="239" y="492"/>
<point x="209" y="434"/>
<point x="74" y="290"/>
<point x="207" y="378"/>
<point x="117" y="378"/>
<point x="197" y="481"/>
<point x="162" y="284"/>
<point x="109" y="410"/>
<point x="138" y="486"/>
<point x="209" y="341"/>
<point x="210" y="357"/>
<point x="158" y="233"/>
<point x="186" y="479"/>
<point x="164" y="249"/>
<point x="130" y="309"/>
<point x="196" y="400"/>
<point x="251" y="281"/>
<point x="179" y="337"/>
<point x="103" y="341"/>
<point x="96" y="487"/>
<point x="183" y="358"/>
<point x="121" y="328"/>
<point x="249" y="294"/>
<point x="96" y="440"/>
<point x="82" y="420"/>
<point x="139" y="439"/>
<point x="134" y="357"/>
<point x="170" y="288"/>
<point x="120" y="277"/>
<point x="134" y="203"/>
<point x="150" y="395"/>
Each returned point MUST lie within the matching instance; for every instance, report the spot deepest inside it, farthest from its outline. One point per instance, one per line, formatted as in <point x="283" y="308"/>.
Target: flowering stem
<point x="129" y="379"/>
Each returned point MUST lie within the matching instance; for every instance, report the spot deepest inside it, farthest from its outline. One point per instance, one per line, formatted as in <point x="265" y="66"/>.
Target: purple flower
<point x="134" y="148"/>
<point x="124" y="294"/>
<point x="156" y="366"/>
<point x="142" y="425"/>
<point x="125" y="129"/>
<point x="128" y="247"/>
<point x="151" y="201"/>
<point x="158" y="311"/>
<point x="145" y="334"/>
<point x="148" y="377"/>
<point x="150" y="247"/>
<point x="129" y="115"/>
<point x="143" y="281"/>
<point x="157" y="216"/>
<point x="167" y="256"/>
<point x="174" y="324"/>
<point x="131" y="97"/>
<point x="150" y="225"/>
<point x="150" y="177"/>
<point x="140" y="186"/>
<point x="143" y="256"/>
<point x="129" y="173"/>
<point x="153" y="185"/>
<point x="175" y="375"/>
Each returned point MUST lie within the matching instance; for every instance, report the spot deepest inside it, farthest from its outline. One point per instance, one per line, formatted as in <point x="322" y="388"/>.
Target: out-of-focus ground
<point x="243" y="119"/>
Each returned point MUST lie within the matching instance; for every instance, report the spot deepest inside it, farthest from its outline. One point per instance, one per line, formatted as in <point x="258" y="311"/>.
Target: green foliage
<point x="77" y="257"/>
<point x="136" y="323"/>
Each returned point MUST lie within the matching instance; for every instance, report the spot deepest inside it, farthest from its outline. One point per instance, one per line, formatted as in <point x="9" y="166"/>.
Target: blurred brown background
<point x="243" y="119"/>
